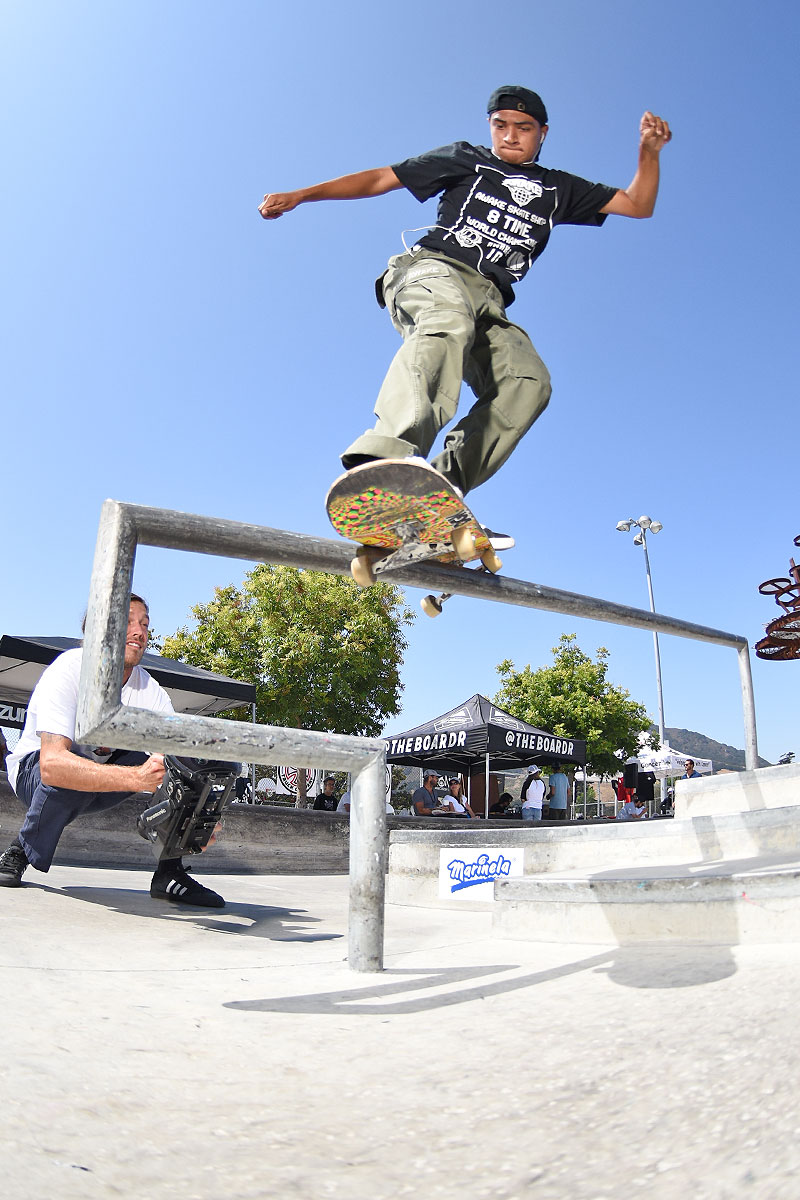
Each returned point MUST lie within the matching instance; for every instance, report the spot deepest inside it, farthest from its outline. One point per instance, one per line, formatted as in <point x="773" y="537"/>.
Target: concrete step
<point x="262" y="839"/>
<point x="255" y="839"/>
<point x="724" y="903"/>
<point x="738" y="791"/>
<point x="415" y="855"/>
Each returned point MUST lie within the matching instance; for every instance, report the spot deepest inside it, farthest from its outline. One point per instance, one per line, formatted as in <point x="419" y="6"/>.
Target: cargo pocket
<point x="413" y="290"/>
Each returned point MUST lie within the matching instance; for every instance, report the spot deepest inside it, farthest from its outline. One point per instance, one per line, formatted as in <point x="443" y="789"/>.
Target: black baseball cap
<point x="511" y="95"/>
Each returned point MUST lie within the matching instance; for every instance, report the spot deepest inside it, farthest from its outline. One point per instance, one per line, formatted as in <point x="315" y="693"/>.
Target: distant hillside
<point x="686" y="741"/>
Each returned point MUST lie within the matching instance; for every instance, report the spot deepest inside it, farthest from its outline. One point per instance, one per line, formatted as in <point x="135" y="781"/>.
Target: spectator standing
<point x="242" y="785"/>
<point x="533" y="793"/>
<point x="690" y="771"/>
<point x="344" y="803"/>
<point x="558" y="795"/>
<point x="326" y="801"/>
<point x="668" y="804"/>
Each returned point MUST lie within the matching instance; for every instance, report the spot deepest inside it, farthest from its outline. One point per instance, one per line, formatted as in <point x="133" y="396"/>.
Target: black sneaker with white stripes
<point x="178" y="887"/>
<point x="13" y="862"/>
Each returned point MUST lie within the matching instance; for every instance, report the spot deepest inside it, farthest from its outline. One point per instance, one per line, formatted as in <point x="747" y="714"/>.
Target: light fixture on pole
<point x="644" y="525"/>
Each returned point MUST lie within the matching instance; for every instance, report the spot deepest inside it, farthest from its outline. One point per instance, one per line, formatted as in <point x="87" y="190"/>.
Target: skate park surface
<point x="151" y="1052"/>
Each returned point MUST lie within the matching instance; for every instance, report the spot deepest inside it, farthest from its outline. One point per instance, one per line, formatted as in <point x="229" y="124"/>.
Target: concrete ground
<point x="149" y="1052"/>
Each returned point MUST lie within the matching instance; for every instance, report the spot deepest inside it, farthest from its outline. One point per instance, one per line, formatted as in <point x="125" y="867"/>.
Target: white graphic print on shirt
<point x="501" y="226"/>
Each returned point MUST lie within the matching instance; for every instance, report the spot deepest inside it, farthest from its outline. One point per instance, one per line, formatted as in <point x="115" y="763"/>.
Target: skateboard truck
<point x="187" y="805"/>
<point x="371" y="561"/>
<point x="432" y="605"/>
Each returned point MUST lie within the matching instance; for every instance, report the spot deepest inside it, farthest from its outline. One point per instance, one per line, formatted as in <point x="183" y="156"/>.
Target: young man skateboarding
<point x="447" y="295"/>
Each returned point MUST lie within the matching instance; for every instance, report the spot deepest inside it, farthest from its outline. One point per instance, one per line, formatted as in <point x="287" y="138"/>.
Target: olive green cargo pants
<point x="454" y="328"/>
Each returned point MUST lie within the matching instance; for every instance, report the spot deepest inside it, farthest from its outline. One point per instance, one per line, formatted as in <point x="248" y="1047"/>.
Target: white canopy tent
<point x="668" y="762"/>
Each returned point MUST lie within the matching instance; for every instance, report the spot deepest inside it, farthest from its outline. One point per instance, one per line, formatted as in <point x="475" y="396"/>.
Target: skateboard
<point x="404" y="512"/>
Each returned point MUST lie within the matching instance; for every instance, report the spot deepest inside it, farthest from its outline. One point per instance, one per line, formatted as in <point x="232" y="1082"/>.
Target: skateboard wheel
<point x="430" y="606"/>
<point x="463" y="541"/>
<point x="491" y="561"/>
<point x="361" y="569"/>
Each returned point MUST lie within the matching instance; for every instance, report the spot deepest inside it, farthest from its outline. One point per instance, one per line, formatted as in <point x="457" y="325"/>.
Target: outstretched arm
<point x="639" y="197"/>
<point x="376" y="182"/>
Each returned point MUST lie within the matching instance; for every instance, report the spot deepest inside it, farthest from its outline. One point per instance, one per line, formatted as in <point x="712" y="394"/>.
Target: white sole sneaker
<point x="499" y="541"/>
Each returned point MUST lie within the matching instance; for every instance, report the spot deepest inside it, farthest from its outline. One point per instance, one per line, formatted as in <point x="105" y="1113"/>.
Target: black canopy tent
<point x="191" y="689"/>
<point x="478" y="733"/>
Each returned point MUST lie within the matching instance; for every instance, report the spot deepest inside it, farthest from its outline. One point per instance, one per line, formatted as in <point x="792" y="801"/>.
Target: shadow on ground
<point x="239" y="920"/>
<point x="636" y="967"/>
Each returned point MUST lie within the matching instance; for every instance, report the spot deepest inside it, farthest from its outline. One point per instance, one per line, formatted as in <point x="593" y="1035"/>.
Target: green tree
<point x="573" y="698"/>
<point x="401" y="792"/>
<point x="322" y="653"/>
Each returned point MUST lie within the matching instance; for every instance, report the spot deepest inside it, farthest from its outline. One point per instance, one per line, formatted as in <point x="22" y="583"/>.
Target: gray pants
<point x="454" y="328"/>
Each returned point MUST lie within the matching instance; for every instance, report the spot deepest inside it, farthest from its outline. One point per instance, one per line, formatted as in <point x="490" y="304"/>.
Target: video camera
<point x="187" y="806"/>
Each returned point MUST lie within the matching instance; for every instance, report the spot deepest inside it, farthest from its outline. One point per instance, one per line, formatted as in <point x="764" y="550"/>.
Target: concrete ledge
<point x="414" y="854"/>
<point x="743" y="791"/>
<point x="758" y="902"/>
<point x="256" y="839"/>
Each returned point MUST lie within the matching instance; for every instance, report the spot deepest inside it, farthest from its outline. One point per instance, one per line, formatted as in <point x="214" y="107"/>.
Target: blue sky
<point x="162" y="345"/>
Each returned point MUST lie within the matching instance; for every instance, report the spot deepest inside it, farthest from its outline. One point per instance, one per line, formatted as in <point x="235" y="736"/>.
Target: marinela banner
<point x="469" y="872"/>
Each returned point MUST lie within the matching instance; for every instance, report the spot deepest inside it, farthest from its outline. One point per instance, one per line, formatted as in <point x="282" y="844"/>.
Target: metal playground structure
<point x="782" y="637"/>
<point x="104" y="720"/>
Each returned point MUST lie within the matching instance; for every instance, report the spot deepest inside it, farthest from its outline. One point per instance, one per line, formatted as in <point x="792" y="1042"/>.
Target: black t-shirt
<point x="325" y="803"/>
<point x="494" y="216"/>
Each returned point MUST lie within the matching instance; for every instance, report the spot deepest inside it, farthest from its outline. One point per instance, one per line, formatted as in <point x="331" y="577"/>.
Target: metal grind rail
<point x="102" y="719"/>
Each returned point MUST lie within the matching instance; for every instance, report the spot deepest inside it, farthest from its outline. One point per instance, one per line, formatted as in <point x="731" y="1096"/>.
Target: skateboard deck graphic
<point x="403" y="512"/>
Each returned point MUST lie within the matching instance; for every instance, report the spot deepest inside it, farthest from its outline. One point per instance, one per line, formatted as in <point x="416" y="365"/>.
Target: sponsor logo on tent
<point x="462" y="717"/>
<point x="428" y="741"/>
<point x="540" y="741"/>
<point x="667" y="761"/>
<point x="12" y="715"/>
<point x="498" y="717"/>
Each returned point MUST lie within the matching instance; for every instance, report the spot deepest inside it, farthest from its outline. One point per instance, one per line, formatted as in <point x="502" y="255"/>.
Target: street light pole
<point x="661" y="731"/>
<point x="643" y="525"/>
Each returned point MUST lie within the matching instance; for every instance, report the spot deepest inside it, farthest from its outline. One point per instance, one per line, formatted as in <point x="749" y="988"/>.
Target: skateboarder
<point x="448" y="293"/>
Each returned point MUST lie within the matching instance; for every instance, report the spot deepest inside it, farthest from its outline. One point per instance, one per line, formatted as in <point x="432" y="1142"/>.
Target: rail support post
<point x="367" y="867"/>
<point x="748" y="710"/>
